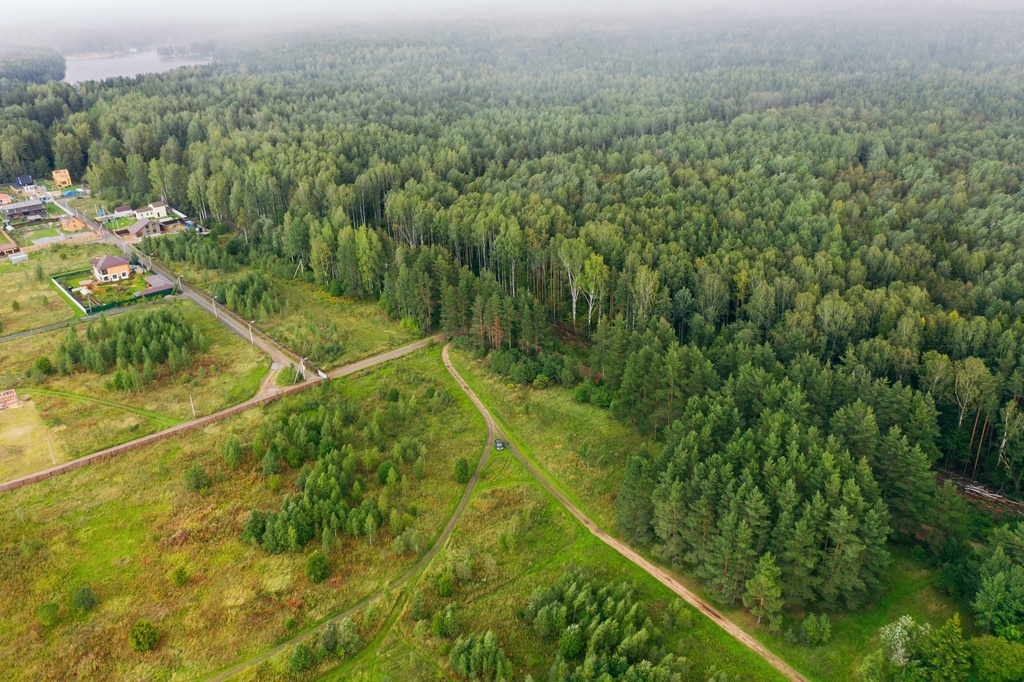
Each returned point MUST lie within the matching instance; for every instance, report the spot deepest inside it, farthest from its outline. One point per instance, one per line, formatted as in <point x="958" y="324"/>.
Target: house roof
<point x="107" y="262"/>
<point x="122" y="209"/>
<point x="24" y="181"/>
<point x="156" y="284"/>
<point x="5" y="196"/>
<point x="31" y="204"/>
<point x="158" y="204"/>
<point x="139" y="225"/>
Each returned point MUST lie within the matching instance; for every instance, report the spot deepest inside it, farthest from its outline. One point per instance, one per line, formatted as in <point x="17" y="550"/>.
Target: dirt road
<point x="267" y="394"/>
<point x="657" y="573"/>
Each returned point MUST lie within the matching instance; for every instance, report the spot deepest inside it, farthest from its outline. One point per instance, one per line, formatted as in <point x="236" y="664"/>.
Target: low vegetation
<point x="181" y="561"/>
<point x="154" y="365"/>
<point x="29" y="299"/>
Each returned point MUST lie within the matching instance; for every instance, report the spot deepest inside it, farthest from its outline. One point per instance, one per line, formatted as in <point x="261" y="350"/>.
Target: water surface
<point x="97" y="68"/>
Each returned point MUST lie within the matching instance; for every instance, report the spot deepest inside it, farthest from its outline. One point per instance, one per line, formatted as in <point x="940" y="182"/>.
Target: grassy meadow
<point x="517" y="538"/>
<point x="83" y="415"/>
<point x="125" y="527"/>
<point x="23" y="442"/>
<point x="39" y="303"/>
<point x="329" y="330"/>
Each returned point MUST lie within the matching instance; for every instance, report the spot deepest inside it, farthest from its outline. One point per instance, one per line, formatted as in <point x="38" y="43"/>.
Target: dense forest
<point x="24" y="66"/>
<point x="789" y="251"/>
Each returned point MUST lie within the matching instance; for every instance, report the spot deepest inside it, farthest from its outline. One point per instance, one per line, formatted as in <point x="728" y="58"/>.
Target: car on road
<point x="499" y="444"/>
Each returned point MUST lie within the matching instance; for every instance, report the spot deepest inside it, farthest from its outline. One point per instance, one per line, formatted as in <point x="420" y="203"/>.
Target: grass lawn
<point x="23" y="443"/>
<point x="540" y="540"/>
<point x="120" y="223"/>
<point x="39" y="303"/>
<point x="85" y="416"/>
<point x="25" y="238"/>
<point x="562" y="437"/>
<point x="330" y="331"/>
<point x="581" y="447"/>
<point x="54" y="210"/>
<point x="123" y="526"/>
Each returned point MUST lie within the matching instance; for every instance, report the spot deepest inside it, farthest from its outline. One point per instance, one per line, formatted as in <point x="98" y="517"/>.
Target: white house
<point x="154" y="211"/>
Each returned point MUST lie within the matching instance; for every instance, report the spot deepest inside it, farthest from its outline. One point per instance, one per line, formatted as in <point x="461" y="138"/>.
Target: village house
<point x="154" y="211"/>
<point x="145" y="228"/>
<point x="33" y="208"/>
<point x="24" y="185"/>
<point x="62" y="178"/>
<point x="111" y="269"/>
<point x="5" y="199"/>
<point x="71" y="223"/>
<point x="121" y="212"/>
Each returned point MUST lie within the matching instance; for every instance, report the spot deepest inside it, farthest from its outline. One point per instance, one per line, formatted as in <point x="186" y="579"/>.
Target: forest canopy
<point x="790" y="251"/>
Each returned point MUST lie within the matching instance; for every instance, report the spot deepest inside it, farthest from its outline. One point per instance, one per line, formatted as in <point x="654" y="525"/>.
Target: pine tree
<point x="948" y="658"/>
<point x="763" y="595"/>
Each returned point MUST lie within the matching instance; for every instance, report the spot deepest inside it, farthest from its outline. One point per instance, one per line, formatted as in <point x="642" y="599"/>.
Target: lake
<point x="97" y="68"/>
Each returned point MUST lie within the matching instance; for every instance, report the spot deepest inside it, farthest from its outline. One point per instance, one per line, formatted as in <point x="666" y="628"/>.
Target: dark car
<point x="499" y="444"/>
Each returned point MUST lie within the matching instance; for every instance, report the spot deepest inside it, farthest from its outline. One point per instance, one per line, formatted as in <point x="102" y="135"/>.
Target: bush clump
<point x="462" y="470"/>
<point x="317" y="567"/>
<point x="84" y="599"/>
<point x="143" y="636"/>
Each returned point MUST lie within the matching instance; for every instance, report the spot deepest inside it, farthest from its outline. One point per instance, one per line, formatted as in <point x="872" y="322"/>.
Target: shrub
<point x="541" y="382"/>
<point x="143" y="636"/>
<point x="302" y="658"/>
<point x="49" y="614"/>
<point x="581" y="394"/>
<point x="444" y="584"/>
<point x="317" y="567"/>
<point x="383" y="471"/>
<point x="179" y="576"/>
<point x="196" y="478"/>
<point x="816" y="630"/>
<point x="232" y="452"/>
<point x="84" y="599"/>
<point x="602" y="397"/>
<point x="329" y="638"/>
<point x="445" y="622"/>
<point x="462" y="470"/>
<point x="44" y="365"/>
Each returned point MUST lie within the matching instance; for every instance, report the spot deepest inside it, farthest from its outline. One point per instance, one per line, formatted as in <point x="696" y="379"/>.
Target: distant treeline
<point x="201" y="49"/>
<point x="29" y="66"/>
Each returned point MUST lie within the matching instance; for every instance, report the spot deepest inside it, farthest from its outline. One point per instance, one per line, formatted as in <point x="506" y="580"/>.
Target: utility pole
<point x="302" y="368"/>
<point x="52" y="458"/>
<point x="193" y="405"/>
<point x="250" y="332"/>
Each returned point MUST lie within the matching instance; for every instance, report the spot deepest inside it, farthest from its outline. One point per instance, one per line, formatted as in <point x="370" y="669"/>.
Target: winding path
<point x="657" y="573"/>
<point x="424" y="559"/>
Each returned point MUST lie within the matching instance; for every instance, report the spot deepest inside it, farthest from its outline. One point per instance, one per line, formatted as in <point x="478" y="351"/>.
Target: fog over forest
<point x="117" y="25"/>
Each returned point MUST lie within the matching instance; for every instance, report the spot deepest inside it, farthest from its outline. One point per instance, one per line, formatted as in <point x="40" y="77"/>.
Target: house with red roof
<point x="111" y="269"/>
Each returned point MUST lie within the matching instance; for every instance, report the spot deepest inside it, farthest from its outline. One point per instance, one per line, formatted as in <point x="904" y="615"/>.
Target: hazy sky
<point x="254" y="10"/>
<point x="73" y="26"/>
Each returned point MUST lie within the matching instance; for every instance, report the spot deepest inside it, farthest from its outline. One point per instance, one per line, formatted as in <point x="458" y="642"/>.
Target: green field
<point x="518" y="539"/>
<point x="39" y="303"/>
<point x="84" y="415"/>
<point x="122" y="528"/>
<point x="582" y="449"/>
<point x="330" y="331"/>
